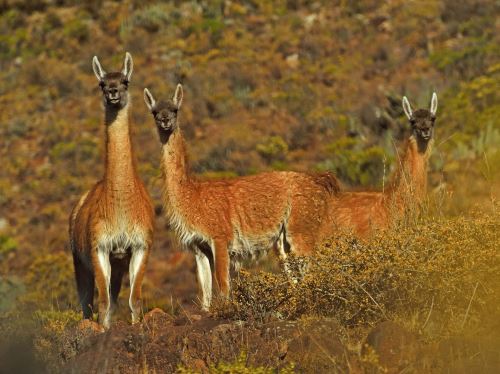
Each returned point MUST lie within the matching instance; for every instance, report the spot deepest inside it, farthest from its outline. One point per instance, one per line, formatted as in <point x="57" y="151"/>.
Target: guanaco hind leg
<point x="85" y="286"/>
<point x="102" y="270"/>
<point x="136" y="274"/>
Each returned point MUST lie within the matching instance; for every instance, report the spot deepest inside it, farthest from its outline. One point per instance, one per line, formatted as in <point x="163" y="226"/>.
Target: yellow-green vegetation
<point x="443" y="274"/>
<point x="239" y="366"/>
<point x="50" y="282"/>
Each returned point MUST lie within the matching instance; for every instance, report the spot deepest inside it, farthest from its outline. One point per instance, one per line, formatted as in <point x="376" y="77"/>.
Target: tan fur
<point x="243" y="217"/>
<point x="115" y="218"/>
<point x="364" y="212"/>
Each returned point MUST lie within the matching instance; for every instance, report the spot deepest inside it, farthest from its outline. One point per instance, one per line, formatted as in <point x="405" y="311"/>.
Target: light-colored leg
<point x="136" y="274"/>
<point x="103" y="277"/>
<point x="204" y="278"/>
<point x="282" y="255"/>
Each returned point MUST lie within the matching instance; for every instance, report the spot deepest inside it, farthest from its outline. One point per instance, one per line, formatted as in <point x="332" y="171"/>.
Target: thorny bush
<point x="436" y="264"/>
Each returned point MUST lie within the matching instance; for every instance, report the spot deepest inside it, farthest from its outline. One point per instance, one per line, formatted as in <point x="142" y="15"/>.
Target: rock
<point x="199" y="366"/>
<point x="3" y="223"/>
<point x="395" y="346"/>
<point x="89" y="327"/>
<point x="293" y="61"/>
<point x="316" y="347"/>
<point x="156" y="316"/>
<point x="196" y="317"/>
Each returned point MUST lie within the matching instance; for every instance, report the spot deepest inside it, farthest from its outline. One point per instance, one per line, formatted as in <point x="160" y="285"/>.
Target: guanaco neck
<point x="120" y="174"/>
<point x="175" y="168"/>
<point x="410" y="179"/>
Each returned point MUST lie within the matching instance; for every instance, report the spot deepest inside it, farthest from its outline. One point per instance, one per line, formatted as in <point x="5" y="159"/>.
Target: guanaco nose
<point x="113" y="93"/>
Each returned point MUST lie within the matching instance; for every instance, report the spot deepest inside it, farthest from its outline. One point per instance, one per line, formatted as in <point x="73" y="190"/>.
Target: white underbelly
<point x="121" y="243"/>
<point x="250" y="248"/>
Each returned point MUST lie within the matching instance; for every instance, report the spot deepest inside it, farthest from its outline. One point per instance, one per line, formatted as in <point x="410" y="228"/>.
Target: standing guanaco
<point x="362" y="212"/>
<point x="111" y="227"/>
<point x="225" y="221"/>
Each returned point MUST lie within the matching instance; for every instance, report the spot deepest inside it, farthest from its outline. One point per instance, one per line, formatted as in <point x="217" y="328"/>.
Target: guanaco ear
<point x="178" y="95"/>
<point x="98" y="70"/>
<point x="128" y="66"/>
<point x="434" y="104"/>
<point x="407" y="108"/>
<point x="149" y="99"/>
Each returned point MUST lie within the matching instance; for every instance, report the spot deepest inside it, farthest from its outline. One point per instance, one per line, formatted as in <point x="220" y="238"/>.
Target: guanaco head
<point x="114" y="85"/>
<point x="422" y="120"/>
<point x="165" y="112"/>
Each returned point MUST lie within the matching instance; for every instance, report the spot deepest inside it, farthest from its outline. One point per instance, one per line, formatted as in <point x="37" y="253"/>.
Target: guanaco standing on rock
<point x="226" y="221"/>
<point x="363" y="212"/>
<point x="111" y="227"/>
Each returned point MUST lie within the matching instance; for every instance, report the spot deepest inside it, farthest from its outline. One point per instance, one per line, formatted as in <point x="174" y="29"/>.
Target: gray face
<point x="422" y="124"/>
<point x="115" y="90"/>
<point x="165" y="115"/>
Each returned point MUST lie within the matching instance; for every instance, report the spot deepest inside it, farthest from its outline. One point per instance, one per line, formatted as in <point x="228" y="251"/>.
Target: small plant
<point x="7" y="245"/>
<point x="76" y="29"/>
<point x="273" y="149"/>
<point x="50" y="282"/>
<point x="239" y="366"/>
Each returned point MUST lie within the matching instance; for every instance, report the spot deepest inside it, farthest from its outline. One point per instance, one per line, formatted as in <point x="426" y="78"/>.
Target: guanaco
<point x="226" y="221"/>
<point x="363" y="212"/>
<point x="111" y="227"/>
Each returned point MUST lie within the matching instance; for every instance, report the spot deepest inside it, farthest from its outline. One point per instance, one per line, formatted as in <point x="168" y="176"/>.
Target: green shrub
<point x="273" y="148"/>
<point x="355" y="164"/>
<point x="76" y="29"/>
<point x="50" y="282"/>
<point x="7" y="245"/>
<point x="151" y="18"/>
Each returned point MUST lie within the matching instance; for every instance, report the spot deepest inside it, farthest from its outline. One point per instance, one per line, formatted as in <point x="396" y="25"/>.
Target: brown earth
<point x="161" y="343"/>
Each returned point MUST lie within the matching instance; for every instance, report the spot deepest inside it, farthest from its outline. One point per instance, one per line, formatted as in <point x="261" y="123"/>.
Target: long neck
<point x="120" y="166"/>
<point x="410" y="180"/>
<point x="175" y="167"/>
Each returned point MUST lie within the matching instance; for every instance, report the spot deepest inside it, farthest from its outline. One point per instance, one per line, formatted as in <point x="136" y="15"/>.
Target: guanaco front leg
<point x="221" y="255"/>
<point x="137" y="268"/>
<point x="204" y="277"/>
<point x="102" y="273"/>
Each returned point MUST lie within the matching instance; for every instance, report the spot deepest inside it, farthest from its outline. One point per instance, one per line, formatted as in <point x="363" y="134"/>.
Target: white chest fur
<point x="120" y="240"/>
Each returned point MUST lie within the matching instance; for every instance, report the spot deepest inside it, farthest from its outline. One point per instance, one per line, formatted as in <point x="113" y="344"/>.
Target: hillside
<point x="268" y="85"/>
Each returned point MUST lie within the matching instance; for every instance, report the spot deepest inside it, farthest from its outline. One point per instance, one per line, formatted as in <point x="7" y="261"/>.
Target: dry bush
<point x="437" y="264"/>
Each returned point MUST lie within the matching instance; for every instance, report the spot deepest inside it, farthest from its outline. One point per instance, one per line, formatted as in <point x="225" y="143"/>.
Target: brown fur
<point x="241" y="217"/>
<point x="257" y="206"/>
<point x="364" y="212"/>
<point x="114" y="218"/>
